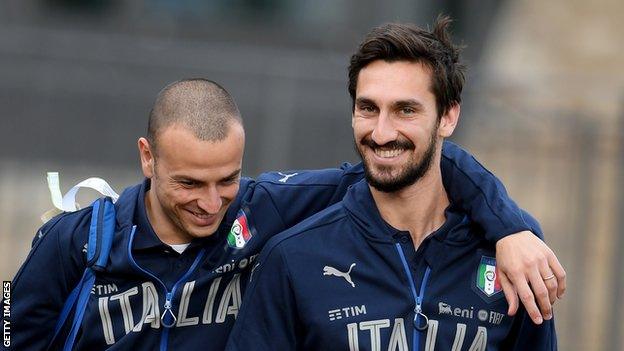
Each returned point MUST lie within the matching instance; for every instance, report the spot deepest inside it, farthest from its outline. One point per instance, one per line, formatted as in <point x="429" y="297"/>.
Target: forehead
<point x="181" y="153"/>
<point x="397" y="80"/>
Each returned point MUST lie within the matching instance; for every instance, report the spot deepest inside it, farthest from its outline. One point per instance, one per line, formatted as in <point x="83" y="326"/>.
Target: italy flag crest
<point x="239" y="234"/>
<point x="487" y="277"/>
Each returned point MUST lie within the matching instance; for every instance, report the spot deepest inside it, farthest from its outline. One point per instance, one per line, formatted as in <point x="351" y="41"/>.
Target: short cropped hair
<point x="200" y="105"/>
<point x="405" y="42"/>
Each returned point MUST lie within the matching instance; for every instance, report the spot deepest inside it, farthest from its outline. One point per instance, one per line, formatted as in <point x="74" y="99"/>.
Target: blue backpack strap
<point x="101" y="232"/>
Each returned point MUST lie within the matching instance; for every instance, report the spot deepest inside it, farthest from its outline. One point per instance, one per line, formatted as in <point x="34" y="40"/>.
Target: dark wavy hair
<point x="405" y="42"/>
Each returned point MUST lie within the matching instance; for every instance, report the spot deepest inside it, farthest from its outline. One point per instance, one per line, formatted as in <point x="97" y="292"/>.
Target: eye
<point x="367" y="109"/>
<point x="230" y="181"/>
<point x="187" y="183"/>
<point x="407" y="110"/>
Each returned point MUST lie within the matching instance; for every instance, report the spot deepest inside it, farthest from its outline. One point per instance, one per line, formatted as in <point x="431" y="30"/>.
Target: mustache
<point x="395" y="144"/>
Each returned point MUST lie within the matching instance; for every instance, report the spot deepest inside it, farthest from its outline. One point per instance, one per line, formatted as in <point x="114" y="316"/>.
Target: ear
<point x="449" y="121"/>
<point x="147" y="157"/>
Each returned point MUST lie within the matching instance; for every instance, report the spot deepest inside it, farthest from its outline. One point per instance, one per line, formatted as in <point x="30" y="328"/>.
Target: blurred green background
<point x="543" y="108"/>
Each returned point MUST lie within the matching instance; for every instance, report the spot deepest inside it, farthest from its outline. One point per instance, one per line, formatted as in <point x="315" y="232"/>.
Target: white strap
<point x="55" y="189"/>
<point x="68" y="201"/>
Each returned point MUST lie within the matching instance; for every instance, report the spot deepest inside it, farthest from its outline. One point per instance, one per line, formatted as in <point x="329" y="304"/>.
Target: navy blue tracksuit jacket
<point x="198" y="293"/>
<point x="344" y="279"/>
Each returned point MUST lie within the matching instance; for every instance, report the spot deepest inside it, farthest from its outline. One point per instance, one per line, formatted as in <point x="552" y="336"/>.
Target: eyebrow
<point x="364" y="100"/>
<point x="396" y="104"/>
<point x="409" y="102"/>
<point x="232" y="175"/>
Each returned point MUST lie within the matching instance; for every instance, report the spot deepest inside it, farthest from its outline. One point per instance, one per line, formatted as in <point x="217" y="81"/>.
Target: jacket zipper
<point x="421" y="321"/>
<point x="169" y="294"/>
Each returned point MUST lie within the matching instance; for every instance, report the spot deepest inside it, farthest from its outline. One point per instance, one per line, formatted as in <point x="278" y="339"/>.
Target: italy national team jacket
<point x="152" y="298"/>
<point x="344" y="279"/>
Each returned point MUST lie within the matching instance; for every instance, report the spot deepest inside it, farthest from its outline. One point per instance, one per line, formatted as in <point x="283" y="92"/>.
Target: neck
<point x="418" y="208"/>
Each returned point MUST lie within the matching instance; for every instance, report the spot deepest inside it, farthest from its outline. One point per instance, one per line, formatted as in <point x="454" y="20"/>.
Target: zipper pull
<point x="167" y="306"/>
<point x="418" y="313"/>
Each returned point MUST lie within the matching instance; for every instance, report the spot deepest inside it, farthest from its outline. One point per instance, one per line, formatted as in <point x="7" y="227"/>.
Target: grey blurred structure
<point x="544" y="108"/>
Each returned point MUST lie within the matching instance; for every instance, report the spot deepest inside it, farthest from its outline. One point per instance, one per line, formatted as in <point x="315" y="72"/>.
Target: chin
<point x="386" y="174"/>
<point x="194" y="232"/>
<point x="202" y="233"/>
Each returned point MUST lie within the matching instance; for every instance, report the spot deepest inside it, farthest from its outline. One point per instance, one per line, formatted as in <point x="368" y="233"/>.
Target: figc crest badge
<point x="239" y="234"/>
<point x="487" y="277"/>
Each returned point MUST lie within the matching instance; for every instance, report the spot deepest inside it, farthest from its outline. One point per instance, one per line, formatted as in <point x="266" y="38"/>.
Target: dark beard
<point x="409" y="176"/>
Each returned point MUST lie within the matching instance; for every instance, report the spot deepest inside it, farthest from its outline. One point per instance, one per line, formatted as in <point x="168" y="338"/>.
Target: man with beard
<point x="395" y="265"/>
<point x="187" y="237"/>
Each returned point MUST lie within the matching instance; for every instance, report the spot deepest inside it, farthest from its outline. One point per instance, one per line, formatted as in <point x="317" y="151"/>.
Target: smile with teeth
<point x="384" y="153"/>
<point x="200" y="215"/>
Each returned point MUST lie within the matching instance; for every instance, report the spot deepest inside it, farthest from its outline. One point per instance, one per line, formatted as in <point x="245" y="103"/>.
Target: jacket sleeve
<point x="296" y="195"/>
<point x="480" y="194"/>
<point x="287" y="198"/>
<point x="267" y="319"/>
<point x="42" y="284"/>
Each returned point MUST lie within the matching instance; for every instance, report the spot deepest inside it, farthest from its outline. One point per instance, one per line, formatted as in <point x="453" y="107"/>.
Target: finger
<point x="541" y="293"/>
<point x="550" y="283"/>
<point x="551" y="286"/>
<point x="527" y="298"/>
<point x="559" y="272"/>
<point x="510" y="293"/>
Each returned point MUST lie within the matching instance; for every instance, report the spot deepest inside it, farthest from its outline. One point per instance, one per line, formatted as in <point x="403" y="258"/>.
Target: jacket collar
<point x="363" y="210"/>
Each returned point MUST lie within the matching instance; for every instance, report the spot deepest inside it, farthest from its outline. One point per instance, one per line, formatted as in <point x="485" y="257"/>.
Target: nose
<point x="210" y="200"/>
<point x="384" y="131"/>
